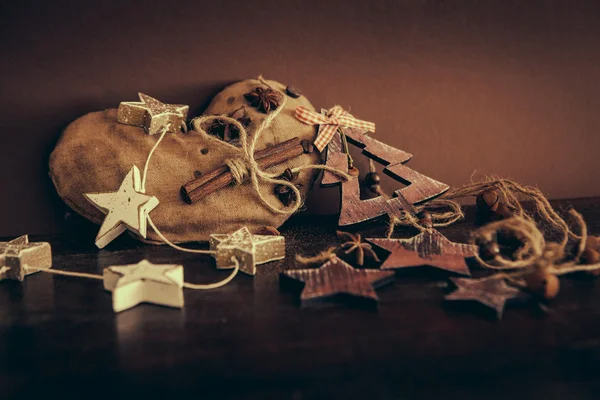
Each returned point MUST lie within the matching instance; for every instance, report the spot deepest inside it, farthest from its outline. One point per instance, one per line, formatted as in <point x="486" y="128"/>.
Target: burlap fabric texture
<point x="95" y="153"/>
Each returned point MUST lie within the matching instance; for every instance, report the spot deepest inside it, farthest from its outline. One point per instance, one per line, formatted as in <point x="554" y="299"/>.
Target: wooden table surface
<point x="251" y="339"/>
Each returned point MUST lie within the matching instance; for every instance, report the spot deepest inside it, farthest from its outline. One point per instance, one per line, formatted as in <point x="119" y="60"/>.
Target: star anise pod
<point x="264" y="99"/>
<point x="354" y="243"/>
<point x="285" y="193"/>
<point x="229" y="132"/>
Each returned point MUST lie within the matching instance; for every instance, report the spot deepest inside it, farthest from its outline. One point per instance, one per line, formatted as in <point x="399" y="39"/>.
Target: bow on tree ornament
<point x="419" y="188"/>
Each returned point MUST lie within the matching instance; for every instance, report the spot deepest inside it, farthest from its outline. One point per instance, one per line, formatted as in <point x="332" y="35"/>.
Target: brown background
<point x="491" y="87"/>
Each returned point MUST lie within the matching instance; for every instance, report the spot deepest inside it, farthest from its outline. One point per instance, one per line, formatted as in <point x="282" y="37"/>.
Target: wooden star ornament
<point x="19" y="258"/>
<point x="338" y="277"/>
<point x="418" y="189"/>
<point x="492" y="293"/>
<point x="250" y="250"/>
<point x="153" y="115"/>
<point x="127" y="208"/>
<point x="429" y="248"/>
<point x="144" y="282"/>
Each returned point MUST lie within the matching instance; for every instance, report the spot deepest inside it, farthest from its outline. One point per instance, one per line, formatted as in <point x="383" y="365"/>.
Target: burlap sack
<point x="95" y="153"/>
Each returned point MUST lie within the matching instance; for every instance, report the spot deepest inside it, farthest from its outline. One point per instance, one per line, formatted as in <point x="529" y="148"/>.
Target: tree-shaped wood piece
<point x="354" y="210"/>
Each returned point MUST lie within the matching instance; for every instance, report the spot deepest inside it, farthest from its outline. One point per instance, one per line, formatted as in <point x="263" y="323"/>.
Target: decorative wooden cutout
<point x="338" y="277"/>
<point x="19" y="258"/>
<point x="429" y="248"/>
<point x="250" y="250"/>
<point x="152" y="115"/>
<point x="144" y="282"/>
<point x="354" y="210"/>
<point x="127" y="208"/>
<point x="492" y="293"/>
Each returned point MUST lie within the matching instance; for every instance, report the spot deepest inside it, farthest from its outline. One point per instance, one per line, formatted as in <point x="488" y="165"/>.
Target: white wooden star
<point x="19" y="258"/>
<point x="144" y="282"/>
<point x="247" y="248"/>
<point x="127" y="208"/>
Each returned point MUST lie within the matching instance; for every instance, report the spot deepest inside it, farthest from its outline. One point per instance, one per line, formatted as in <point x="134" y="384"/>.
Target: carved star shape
<point x="338" y="277"/>
<point x="144" y="282"/>
<point x="152" y="114"/>
<point x="493" y="293"/>
<point x="429" y="248"/>
<point x="250" y="250"/>
<point x="19" y="258"/>
<point x="127" y="208"/>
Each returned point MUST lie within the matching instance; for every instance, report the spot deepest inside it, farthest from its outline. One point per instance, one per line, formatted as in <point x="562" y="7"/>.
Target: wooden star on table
<point x="250" y="250"/>
<point x="152" y="114"/>
<point x="127" y="208"/>
<point x="338" y="277"/>
<point x="19" y="258"/>
<point x="144" y="282"/>
<point x="493" y="293"/>
<point x="429" y="248"/>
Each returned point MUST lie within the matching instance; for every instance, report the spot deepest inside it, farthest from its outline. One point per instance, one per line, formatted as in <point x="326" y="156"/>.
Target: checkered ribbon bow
<point x="330" y="122"/>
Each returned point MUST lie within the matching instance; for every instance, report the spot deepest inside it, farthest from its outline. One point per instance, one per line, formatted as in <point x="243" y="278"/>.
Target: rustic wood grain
<point x="221" y="177"/>
<point x="338" y="277"/>
<point x="492" y="293"/>
<point x="429" y="248"/>
<point x="354" y="210"/>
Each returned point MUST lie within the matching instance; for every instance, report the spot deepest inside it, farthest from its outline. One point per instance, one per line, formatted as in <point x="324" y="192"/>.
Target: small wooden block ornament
<point x="152" y="115"/>
<point x="250" y="250"/>
<point x="19" y="258"/>
<point x="144" y="282"/>
<point x="338" y="277"/>
<point x="492" y="293"/>
<point x="127" y="208"/>
<point x="429" y="248"/>
<point x="354" y="210"/>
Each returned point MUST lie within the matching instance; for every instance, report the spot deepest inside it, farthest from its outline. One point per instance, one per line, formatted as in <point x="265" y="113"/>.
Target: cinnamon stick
<point x="221" y="177"/>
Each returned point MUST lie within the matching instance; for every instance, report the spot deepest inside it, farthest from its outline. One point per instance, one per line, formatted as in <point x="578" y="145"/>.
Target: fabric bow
<point x="330" y="122"/>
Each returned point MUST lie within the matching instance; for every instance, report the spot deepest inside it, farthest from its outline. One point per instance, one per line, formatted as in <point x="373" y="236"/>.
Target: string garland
<point x="242" y="167"/>
<point x="186" y="285"/>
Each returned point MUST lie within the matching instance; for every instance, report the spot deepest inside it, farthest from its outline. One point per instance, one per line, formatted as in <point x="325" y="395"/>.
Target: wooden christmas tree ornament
<point x="144" y="282"/>
<point x="338" y="277"/>
<point x="353" y="210"/>
<point x="492" y="293"/>
<point x="152" y="115"/>
<point x="250" y="250"/>
<point x="429" y="248"/>
<point x="19" y="258"/>
<point x="127" y="208"/>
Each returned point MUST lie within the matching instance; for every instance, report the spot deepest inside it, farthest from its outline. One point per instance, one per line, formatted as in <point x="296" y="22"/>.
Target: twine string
<point x="535" y="252"/>
<point x="323" y="256"/>
<point x="186" y="285"/>
<point x="173" y="245"/>
<point x="145" y="174"/>
<point x="215" y="285"/>
<point x="246" y="166"/>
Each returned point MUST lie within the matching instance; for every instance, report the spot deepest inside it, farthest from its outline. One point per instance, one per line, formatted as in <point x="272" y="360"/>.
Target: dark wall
<point x="492" y="87"/>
